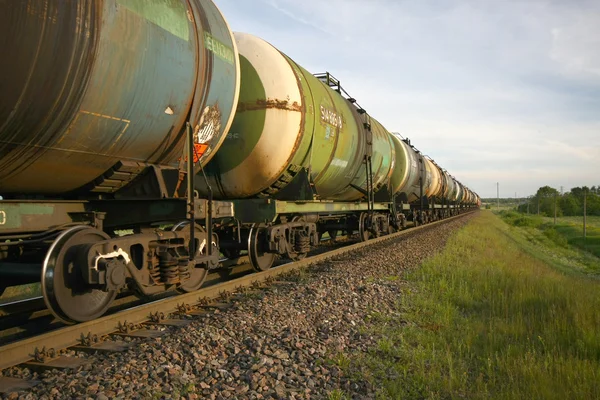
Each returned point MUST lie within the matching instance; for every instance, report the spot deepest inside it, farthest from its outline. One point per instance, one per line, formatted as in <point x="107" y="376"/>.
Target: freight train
<point x="143" y="144"/>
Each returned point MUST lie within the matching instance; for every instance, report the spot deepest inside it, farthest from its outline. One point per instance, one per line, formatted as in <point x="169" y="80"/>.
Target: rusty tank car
<point x="140" y="142"/>
<point x="284" y="107"/>
<point x="96" y="103"/>
<point x="83" y="95"/>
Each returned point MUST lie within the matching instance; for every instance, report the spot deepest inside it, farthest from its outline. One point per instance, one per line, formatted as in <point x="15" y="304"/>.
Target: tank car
<point x="287" y="120"/>
<point x="301" y="159"/>
<point x="102" y="105"/>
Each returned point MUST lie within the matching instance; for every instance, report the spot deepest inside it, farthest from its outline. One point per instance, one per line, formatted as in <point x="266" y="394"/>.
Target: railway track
<point x="25" y="318"/>
<point x="148" y="320"/>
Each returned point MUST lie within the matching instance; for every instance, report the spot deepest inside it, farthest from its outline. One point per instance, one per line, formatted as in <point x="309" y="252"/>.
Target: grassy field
<point x="487" y="318"/>
<point x="566" y="234"/>
<point x="592" y="221"/>
<point x="503" y="207"/>
<point x="571" y="228"/>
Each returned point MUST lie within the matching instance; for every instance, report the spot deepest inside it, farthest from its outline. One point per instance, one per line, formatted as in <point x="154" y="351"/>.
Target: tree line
<point x="567" y="204"/>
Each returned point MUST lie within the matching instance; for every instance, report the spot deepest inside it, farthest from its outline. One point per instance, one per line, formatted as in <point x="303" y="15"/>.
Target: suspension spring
<point x="184" y="271"/>
<point x="301" y="242"/>
<point x="169" y="268"/>
<point x="154" y="273"/>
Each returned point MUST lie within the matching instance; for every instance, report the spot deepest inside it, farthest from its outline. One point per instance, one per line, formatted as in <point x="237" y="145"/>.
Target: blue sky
<point x="493" y="90"/>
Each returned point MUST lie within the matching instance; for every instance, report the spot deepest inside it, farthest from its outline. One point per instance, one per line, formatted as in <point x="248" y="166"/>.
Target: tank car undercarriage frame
<point x="92" y="250"/>
<point x="85" y="252"/>
<point x="267" y="229"/>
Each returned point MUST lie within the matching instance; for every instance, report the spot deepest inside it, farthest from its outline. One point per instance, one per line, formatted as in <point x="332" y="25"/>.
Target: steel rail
<point x="30" y="304"/>
<point x="22" y="351"/>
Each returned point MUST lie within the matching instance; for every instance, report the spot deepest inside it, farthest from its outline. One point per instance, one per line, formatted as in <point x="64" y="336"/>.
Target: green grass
<point x="21" y="292"/>
<point x="567" y="233"/>
<point x="592" y="221"/>
<point x="486" y="319"/>
<point x="574" y="237"/>
<point x="503" y="207"/>
<point x="571" y="228"/>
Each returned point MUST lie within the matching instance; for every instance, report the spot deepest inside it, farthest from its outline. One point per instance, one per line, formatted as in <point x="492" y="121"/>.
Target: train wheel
<point x="332" y="234"/>
<point x="260" y="260"/>
<point x="391" y="230"/>
<point x="363" y="231"/>
<point x="65" y="292"/>
<point x="197" y="275"/>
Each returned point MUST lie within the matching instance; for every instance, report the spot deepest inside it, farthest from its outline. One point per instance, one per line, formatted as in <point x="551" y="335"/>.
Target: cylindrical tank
<point x="407" y="173"/>
<point x="435" y="186"/>
<point x="467" y="196"/>
<point x="453" y="189"/>
<point x="87" y="84"/>
<point x="443" y="184"/>
<point x="449" y="185"/>
<point x="383" y="157"/>
<point x="287" y="120"/>
<point x="458" y="192"/>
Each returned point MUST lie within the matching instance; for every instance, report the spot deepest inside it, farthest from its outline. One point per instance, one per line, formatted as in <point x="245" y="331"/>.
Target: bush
<point x="516" y="219"/>
<point x="552" y="234"/>
<point x="526" y="221"/>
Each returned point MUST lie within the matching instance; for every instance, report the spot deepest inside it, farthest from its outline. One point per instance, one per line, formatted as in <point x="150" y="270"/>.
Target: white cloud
<point x="493" y="90"/>
<point x="576" y="44"/>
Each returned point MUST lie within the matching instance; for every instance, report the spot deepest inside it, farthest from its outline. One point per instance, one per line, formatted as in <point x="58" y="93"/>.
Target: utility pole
<point x="538" y="201"/>
<point x="528" y="201"/>
<point x="554" y="208"/>
<point x="584" y="212"/>
<point x="498" y="194"/>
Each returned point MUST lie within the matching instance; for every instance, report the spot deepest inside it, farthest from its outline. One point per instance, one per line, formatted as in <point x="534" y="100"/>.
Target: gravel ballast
<point x="286" y="341"/>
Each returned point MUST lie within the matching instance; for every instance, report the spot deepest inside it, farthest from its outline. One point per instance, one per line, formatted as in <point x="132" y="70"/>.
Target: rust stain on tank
<point x="264" y="104"/>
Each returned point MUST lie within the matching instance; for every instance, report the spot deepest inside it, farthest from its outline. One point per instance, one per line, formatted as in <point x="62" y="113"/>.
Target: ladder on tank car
<point x="335" y="84"/>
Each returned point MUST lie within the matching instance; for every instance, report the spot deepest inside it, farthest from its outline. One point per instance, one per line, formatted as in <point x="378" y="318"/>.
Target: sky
<point x="495" y="91"/>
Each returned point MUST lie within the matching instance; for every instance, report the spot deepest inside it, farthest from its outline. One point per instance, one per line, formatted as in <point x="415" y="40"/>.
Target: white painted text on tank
<point x="331" y="117"/>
